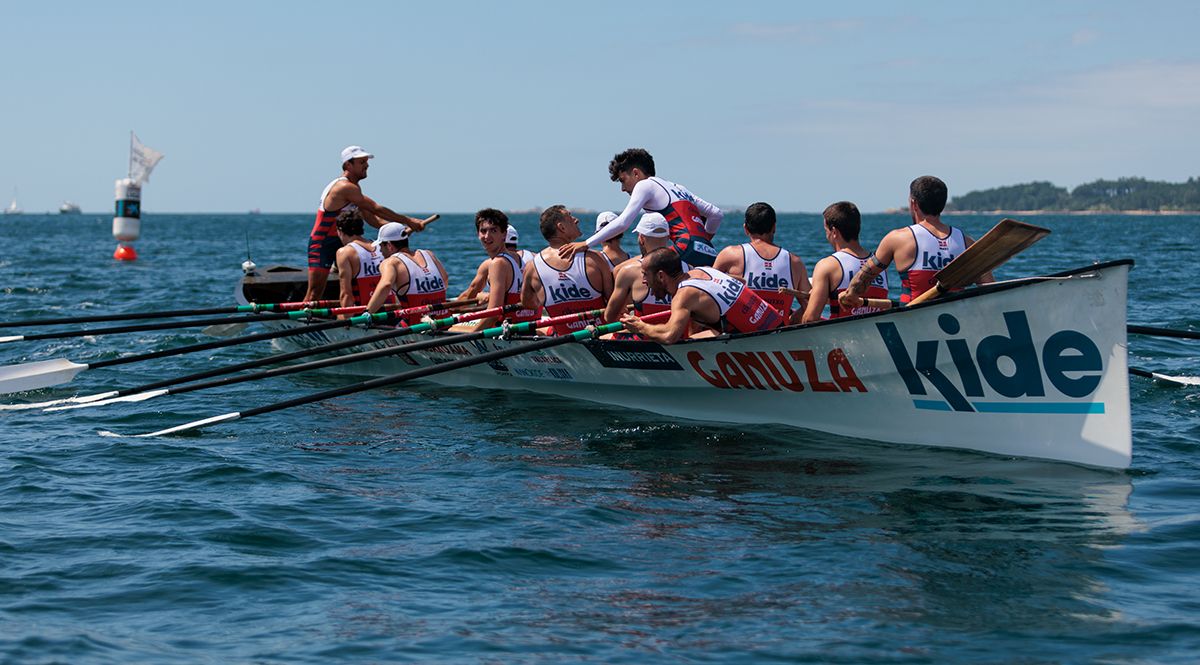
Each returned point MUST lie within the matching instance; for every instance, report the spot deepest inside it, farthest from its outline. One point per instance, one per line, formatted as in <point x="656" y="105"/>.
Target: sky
<point x="517" y="104"/>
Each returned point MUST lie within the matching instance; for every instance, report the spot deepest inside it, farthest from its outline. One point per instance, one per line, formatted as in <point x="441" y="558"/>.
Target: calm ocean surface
<point x="427" y="524"/>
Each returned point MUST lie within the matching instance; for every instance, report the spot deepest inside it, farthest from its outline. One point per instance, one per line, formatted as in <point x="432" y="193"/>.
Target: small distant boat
<point x="13" y="208"/>
<point x="69" y="208"/>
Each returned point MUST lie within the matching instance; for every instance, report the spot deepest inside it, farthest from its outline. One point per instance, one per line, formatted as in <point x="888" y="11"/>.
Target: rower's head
<point x="760" y="221"/>
<point x="927" y="195"/>
<point x="354" y="162"/>
<point x="511" y="238"/>
<point x="662" y="271"/>
<point x="604" y="219"/>
<point x="349" y="225"/>
<point x="393" y="237"/>
<point x="842" y="222"/>
<point x="491" y="226"/>
<point x="630" y="167"/>
<point x="558" y="225"/>
<point x="652" y="232"/>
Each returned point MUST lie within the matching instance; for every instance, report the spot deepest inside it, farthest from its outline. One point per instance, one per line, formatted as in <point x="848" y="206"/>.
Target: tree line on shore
<point x="1099" y="196"/>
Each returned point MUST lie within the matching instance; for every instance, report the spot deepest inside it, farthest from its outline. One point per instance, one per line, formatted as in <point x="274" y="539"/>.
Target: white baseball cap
<point x="604" y="219"/>
<point x="353" y="151"/>
<point x="392" y="232"/>
<point x="512" y="236"/>
<point x="652" y="225"/>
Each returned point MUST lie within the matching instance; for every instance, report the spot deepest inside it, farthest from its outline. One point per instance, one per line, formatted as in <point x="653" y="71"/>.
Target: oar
<point x="528" y="327"/>
<point x="46" y="373"/>
<point x="158" y="388"/>
<point x="171" y="314"/>
<point x="1162" y="332"/>
<point x="419" y="373"/>
<point x="1172" y="380"/>
<point x="231" y="329"/>
<point x="1004" y="241"/>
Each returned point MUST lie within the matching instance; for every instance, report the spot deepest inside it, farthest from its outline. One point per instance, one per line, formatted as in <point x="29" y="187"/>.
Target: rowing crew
<point x="743" y="288"/>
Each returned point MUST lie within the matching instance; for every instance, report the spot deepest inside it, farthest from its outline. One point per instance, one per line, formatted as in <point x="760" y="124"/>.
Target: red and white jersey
<point x="513" y="295"/>
<point x="851" y="264"/>
<point x="765" y="276"/>
<point x="367" y="277"/>
<point x="933" y="253"/>
<point x="568" y="291"/>
<point x="740" y="309"/>
<point x="425" y="284"/>
<point x="327" y="219"/>
<point x="526" y="256"/>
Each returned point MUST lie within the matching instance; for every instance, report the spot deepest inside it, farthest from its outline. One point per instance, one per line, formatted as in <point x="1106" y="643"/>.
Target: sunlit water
<point x="445" y="525"/>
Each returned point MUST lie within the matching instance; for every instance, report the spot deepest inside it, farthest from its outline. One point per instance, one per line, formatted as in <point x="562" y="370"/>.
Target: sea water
<point x="429" y="524"/>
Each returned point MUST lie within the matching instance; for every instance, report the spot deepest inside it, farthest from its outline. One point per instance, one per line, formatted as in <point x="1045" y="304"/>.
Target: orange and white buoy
<point x="127" y="218"/>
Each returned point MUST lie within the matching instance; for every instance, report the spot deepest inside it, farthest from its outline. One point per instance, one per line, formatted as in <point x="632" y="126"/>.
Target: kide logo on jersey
<point x="766" y="281"/>
<point x="935" y="261"/>
<point x="429" y="284"/>
<point x="571" y="291"/>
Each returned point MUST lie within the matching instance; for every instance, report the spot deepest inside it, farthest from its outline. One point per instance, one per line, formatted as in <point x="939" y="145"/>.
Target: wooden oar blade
<point x="1004" y="241"/>
<point x="37" y="375"/>
<point x="224" y="329"/>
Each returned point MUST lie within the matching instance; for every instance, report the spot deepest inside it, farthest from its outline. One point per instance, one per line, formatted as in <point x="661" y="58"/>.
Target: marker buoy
<point x="125" y="253"/>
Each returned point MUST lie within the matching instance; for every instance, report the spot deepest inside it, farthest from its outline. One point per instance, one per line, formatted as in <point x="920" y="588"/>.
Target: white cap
<point x="652" y="225"/>
<point x="353" y="151"/>
<point x="512" y="237"/>
<point x="604" y="219"/>
<point x="392" y="232"/>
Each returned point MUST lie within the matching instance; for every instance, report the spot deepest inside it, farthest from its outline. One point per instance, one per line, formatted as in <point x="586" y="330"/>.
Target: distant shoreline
<point x="1146" y="213"/>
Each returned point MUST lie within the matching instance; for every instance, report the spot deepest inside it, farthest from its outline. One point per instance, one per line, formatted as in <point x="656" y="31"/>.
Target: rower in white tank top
<point x="423" y="280"/>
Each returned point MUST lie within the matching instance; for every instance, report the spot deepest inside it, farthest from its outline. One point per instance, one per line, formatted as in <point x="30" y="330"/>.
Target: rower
<point x="692" y="220"/>
<point x="612" y="252"/>
<point x="704" y="295"/>
<point x="833" y="274"/>
<point x="565" y="286"/>
<point x="763" y="265"/>
<point x="628" y="286"/>
<point x="357" y="260"/>
<point x="503" y="271"/>
<point x="479" y="283"/>
<point x="410" y="278"/>
<point x="923" y="248"/>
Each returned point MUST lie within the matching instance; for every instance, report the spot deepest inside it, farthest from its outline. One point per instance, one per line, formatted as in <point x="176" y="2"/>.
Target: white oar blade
<point x="136" y="397"/>
<point x="224" y="329"/>
<point x="11" y="338"/>
<point x="1176" y="380"/>
<point x="41" y="374"/>
<point x="56" y="402"/>
<point x="195" y="424"/>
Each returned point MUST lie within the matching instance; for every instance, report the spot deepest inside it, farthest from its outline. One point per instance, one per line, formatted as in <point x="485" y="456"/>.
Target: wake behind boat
<point x="1034" y="367"/>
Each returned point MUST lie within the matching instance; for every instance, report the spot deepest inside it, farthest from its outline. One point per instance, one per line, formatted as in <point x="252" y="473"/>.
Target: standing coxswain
<point x="704" y="295"/>
<point x="692" y="220"/>
<point x="342" y="194"/>
<point x="565" y="286"/>
<point x="763" y="265"/>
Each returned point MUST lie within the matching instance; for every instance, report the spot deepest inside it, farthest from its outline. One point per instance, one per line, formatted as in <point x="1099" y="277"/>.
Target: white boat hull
<point x="1032" y="369"/>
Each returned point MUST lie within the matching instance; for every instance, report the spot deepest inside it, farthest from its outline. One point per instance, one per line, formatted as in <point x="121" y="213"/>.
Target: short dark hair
<point x="350" y="222"/>
<point x="844" y="217"/>
<point x="491" y="215"/>
<point x="631" y="158"/>
<point x="665" y="259"/>
<point x="929" y="193"/>
<point x="760" y="218"/>
<point x="548" y="222"/>
<point x="397" y="244"/>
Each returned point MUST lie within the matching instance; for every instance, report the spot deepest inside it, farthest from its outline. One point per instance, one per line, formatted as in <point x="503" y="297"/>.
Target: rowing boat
<point x="1034" y="367"/>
